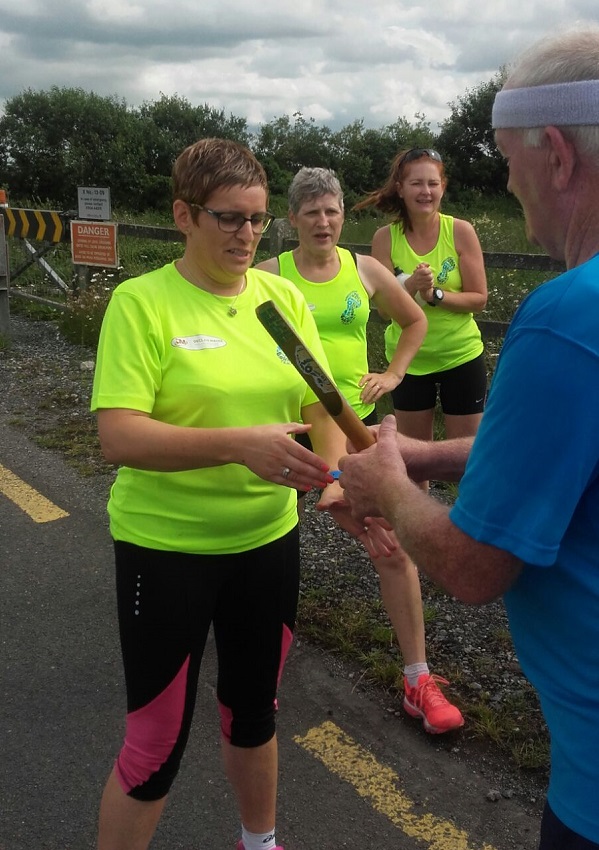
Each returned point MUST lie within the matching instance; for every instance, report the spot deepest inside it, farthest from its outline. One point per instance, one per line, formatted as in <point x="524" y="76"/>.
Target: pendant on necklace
<point x="231" y="312"/>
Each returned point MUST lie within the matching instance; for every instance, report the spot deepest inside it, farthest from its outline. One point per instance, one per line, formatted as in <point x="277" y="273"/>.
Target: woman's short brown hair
<point x="209" y="164"/>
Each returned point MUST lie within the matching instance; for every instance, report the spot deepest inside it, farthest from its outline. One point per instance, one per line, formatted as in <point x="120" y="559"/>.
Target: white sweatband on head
<point x="556" y="104"/>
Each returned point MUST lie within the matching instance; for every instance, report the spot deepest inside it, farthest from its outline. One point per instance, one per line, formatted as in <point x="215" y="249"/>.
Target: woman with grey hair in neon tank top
<point x="339" y="289"/>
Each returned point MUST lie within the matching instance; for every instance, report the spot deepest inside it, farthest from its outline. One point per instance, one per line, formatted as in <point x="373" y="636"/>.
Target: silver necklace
<point x="231" y="310"/>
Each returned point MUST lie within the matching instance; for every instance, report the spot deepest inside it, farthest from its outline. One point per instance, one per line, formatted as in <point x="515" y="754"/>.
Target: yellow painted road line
<point x="29" y="500"/>
<point x="380" y="786"/>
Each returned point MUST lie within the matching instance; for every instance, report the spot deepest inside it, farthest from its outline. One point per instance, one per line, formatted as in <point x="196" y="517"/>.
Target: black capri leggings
<point x="166" y="604"/>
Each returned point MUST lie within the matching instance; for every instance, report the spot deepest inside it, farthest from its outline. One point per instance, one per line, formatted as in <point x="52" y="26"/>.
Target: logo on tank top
<point x="447" y="266"/>
<point x="198" y="342"/>
<point x="352" y="301"/>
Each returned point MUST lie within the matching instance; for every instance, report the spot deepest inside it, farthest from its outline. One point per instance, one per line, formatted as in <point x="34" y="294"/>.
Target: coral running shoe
<point x="427" y="701"/>
<point x="241" y="847"/>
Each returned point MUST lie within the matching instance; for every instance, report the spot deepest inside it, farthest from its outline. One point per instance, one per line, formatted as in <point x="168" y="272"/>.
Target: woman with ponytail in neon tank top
<point x="443" y="270"/>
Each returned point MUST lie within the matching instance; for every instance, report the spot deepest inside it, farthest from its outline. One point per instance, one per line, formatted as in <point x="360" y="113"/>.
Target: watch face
<point x="438" y="294"/>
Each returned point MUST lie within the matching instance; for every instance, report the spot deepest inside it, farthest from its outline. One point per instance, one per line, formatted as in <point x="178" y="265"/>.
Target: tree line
<point x="53" y="141"/>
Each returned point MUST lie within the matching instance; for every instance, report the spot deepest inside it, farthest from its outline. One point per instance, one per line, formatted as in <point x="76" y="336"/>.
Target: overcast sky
<point x="334" y="61"/>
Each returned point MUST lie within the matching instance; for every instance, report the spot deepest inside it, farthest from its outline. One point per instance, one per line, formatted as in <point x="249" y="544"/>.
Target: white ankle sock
<point x="414" y="671"/>
<point x="256" y="841"/>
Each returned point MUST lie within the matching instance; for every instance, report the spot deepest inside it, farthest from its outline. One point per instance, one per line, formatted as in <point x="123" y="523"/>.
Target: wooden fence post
<point x="280" y="232"/>
<point x="83" y="276"/>
<point x="4" y="282"/>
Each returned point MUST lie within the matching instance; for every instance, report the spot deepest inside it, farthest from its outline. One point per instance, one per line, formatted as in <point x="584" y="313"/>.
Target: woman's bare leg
<point x="252" y="772"/>
<point x="125" y="823"/>
<point x="417" y="424"/>
<point x="461" y="426"/>
<point x="400" y="592"/>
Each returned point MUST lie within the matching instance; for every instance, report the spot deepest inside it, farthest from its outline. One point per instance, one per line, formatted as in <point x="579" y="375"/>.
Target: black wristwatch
<point x="438" y="296"/>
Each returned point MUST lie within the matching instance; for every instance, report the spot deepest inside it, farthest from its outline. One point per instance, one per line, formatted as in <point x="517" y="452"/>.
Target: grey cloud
<point x="208" y="28"/>
<point x="376" y="61"/>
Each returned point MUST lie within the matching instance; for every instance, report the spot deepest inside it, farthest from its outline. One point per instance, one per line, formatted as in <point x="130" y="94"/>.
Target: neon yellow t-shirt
<point x="169" y="349"/>
<point x="452" y="338"/>
<point x="341" y="309"/>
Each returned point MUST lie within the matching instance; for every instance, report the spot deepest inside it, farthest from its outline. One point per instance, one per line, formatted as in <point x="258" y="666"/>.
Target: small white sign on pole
<point x="94" y="203"/>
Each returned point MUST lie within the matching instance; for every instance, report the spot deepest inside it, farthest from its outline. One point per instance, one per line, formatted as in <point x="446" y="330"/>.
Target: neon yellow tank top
<point x="452" y="338"/>
<point x="341" y="309"/>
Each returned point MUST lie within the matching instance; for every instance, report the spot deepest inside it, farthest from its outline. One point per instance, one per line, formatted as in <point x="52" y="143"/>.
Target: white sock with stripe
<point x="256" y="841"/>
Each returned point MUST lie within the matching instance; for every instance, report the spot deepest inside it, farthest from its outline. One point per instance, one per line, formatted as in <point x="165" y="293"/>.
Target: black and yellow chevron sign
<point x="39" y="225"/>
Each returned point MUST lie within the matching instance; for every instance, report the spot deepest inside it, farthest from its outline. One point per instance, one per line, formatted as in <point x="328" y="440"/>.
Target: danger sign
<point x="94" y="244"/>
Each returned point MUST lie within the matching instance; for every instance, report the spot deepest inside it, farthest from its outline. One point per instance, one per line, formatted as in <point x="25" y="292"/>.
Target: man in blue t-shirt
<point x="526" y="523"/>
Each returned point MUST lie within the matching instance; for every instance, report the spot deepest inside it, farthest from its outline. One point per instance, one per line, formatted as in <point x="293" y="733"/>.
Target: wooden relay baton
<point x="315" y="376"/>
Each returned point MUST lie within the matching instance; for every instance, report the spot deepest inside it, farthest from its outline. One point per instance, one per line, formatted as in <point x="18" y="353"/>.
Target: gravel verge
<point x="45" y="386"/>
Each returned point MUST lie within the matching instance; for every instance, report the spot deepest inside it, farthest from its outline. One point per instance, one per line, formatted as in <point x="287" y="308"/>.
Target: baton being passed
<point x="315" y="376"/>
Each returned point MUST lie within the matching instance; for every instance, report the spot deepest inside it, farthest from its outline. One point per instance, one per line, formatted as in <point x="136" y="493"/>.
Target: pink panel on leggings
<point x="151" y="734"/>
<point x="285" y="647"/>
<point x="226" y="719"/>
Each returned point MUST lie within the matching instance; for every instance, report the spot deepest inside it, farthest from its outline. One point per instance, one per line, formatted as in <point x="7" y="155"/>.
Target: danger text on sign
<point x="94" y="244"/>
<point x="93" y="230"/>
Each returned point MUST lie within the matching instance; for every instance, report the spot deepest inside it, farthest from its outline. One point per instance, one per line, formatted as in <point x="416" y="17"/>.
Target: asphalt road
<point x="352" y="775"/>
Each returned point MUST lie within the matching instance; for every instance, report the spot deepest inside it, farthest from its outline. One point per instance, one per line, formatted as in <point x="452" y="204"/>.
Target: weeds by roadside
<point x="81" y="323"/>
<point x="340" y="610"/>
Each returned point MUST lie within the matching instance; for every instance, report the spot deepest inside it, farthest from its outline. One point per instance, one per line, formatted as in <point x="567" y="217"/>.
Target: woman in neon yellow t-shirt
<point x="440" y="262"/>
<point x="197" y="405"/>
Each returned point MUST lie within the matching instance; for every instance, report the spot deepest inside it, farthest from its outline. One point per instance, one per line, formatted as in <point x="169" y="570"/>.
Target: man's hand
<point x="370" y="477"/>
<point x="374" y="534"/>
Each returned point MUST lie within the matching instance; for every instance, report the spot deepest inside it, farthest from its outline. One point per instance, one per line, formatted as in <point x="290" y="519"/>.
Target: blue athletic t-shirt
<point x="531" y="487"/>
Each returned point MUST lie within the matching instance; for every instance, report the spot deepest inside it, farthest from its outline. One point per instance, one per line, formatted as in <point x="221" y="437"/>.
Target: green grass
<point x="515" y="728"/>
<point x="498" y="222"/>
<point x="77" y="441"/>
<point x="358" y="631"/>
<point x="353" y="629"/>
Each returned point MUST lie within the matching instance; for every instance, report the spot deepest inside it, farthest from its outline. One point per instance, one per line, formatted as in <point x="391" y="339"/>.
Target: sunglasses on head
<point x="417" y="153"/>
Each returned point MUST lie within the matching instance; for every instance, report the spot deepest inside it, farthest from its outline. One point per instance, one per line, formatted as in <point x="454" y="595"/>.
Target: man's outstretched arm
<point x="377" y="482"/>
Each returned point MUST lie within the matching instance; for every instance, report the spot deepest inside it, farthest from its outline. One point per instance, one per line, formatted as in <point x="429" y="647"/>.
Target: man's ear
<point x="562" y="158"/>
<point x="291" y="217"/>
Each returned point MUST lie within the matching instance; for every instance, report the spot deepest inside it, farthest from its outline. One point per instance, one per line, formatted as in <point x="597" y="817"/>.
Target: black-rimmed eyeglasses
<point x="417" y="153"/>
<point x="231" y="222"/>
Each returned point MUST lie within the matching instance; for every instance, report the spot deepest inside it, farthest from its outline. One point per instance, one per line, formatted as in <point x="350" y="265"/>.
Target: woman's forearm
<point x="134" y="439"/>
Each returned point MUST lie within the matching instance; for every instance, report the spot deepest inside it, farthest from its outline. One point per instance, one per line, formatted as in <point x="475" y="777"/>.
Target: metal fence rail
<point x="49" y="227"/>
<point x="4" y="277"/>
